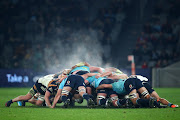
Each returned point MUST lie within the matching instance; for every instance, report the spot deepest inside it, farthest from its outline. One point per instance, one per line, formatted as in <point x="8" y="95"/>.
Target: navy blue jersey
<point x="73" y="81"/>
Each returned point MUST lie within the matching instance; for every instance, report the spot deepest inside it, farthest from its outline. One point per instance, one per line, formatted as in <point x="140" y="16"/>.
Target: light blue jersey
<point x="62" y="83"/>
<point x="118" y="87"/>
<point x="95" y="81"/>
<point x="83" y="68"/>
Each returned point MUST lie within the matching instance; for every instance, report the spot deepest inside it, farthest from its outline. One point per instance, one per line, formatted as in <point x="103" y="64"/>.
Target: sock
<point x="118" y="103"/>
<point x="86" y="96"/>
<point x="70" y="96"/>
<point x="91" y="96"/>
<point x="11" y="101"/>
<point x="63" y="98"/>
<point x="25" y="100"/>
<point x="169" y="104"/>
<point x="143" y="102"/>
<point x="102" y="101"/>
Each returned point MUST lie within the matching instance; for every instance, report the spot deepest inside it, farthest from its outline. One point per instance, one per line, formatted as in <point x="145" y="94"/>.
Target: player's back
<point x="46" y="79"/>
<point x="119" y="86"/>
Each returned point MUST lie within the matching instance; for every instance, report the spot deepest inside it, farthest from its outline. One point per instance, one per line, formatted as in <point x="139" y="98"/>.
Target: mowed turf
<point x="80" y="112"/>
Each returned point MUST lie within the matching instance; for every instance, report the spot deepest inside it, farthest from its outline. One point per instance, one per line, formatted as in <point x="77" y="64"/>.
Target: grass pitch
<point x="80" y="112"/>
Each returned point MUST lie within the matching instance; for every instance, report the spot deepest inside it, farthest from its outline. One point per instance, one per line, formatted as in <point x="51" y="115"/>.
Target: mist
<point x="78" y="46"/>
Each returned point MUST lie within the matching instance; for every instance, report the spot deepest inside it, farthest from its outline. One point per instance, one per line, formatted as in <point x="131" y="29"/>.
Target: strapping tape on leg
<point x="65" y="92"/>
<point x="132" y="96"/>
<point x="82" y="90"/>
<point x="99" y="97"/>
<point x="114" y="98"/>
<point x="145" y="93"/>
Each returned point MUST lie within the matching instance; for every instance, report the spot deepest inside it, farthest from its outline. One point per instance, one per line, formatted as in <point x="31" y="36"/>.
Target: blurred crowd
<point x="159" y="43"/>
<point x="39" y="34"/>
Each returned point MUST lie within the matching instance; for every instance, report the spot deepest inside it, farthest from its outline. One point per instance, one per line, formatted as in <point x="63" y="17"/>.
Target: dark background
<point x="39" y="37"/>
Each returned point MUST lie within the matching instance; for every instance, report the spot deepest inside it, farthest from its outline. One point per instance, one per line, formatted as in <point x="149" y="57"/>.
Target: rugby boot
<point x="108" y="103"/>
<point x="8" y="103"/>
<point x="174" y="106"/>
<point x="23" y="103"/>
<point x="90" y="103"/>
<point x="151" y="102"/>
<point x="66" y="103"/>
<point x="129" y="103"/>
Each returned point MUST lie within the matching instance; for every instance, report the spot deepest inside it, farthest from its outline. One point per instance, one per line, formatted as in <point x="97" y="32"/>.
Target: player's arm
<point x="119" y="76"/>
<point x="46" y="97"/>
<point x="85" y="76"/>
<point x="112" y="69"/>
<point x="96" y="69"/>
<point x="56" y="98"/>
<point x="104" y="86"/>
<point x="106" y="74"/>
<point x="86" y="82"/>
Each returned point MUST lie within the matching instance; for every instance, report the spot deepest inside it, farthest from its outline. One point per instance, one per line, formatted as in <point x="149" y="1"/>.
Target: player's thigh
<point x="154" y="94"/>
<point x="68" y="88"/>
<point x="28" y="96"/>
<point x="133" y="96"/>
<point x="39" y="102"/>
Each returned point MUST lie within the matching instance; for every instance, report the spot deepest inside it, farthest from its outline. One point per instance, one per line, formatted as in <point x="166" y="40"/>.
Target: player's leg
<point x="40" y="100"/>
<point x="77" y="98"/>
<point x="101" y="99"/>
<point x="80" y="86"/>
<point x="64" y="96"/>
<point x="144" y="92"/>
<point x="162" y="100"/>
<point x="131" y="86"/>
<point x="143" y="102"/>
<point x="114" y="100"/>
<point x="26" y="97"/>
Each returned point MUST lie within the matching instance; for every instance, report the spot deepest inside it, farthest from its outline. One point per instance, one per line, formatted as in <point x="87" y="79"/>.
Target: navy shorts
<point x="75" y="81"/>
<point x="132" y="83"/>
<point x="106" y="90"/>
<point x="148" y="87"/>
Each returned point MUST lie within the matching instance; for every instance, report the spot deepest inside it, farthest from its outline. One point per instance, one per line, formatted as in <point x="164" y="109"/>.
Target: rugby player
<point x="68" y="83"/>
<point x="94" y="80"/>
<point x="153" y="93"/>
<point x="131" y="86"/>
<point x="39" y="87"/>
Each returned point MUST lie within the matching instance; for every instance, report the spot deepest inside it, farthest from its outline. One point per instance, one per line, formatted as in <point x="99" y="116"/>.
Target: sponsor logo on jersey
<point x="130" y="86"/>
<point x="68" y="82"/>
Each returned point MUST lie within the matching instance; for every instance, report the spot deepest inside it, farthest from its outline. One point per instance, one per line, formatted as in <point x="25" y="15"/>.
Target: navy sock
<point x="102" y="101"/>
<point x="10" y="101"/>
<point x="25" y="100"/>
<point x="91" y="96"/>
<point x="63" y="98"/>
<point x="86" y="96"/>
<point x="70" y="96"/>
<point x="143" y="102"/>
<point x="169" y="104"/>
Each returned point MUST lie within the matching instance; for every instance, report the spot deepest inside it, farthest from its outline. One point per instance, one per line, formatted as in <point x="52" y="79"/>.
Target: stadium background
<point x="39" y="37"/>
